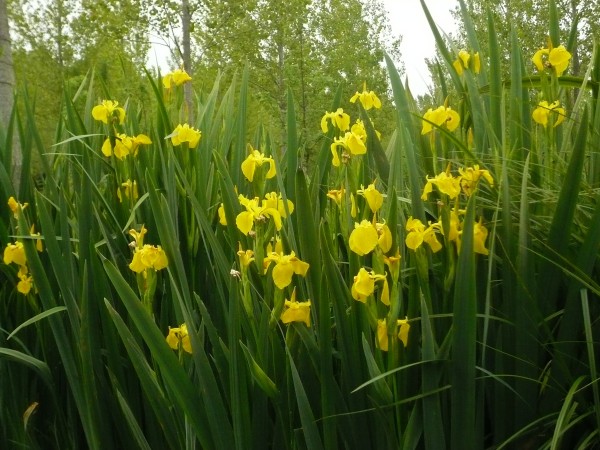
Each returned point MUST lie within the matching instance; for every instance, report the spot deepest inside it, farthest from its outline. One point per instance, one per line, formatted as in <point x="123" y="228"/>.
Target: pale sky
<point x="407" y="19"/>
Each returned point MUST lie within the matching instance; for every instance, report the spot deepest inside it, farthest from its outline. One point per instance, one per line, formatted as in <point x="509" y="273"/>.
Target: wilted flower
<point x="296" y="311"/>
<point x="337" y="195"/>
<point x="246" y="256"/>
<point x="543" y="111"/>
<point x="185" y="133"/>
<point x="339" y="119"/>
<point x="179" y="338"/>
<point x="442" y="116"/>
<point x="108" y="111"/>
<point x="128" y="190"/>
<point x="285" y="267"/>
<point x="368" y="99"/>
<point x="177" y="78"/>
<point x="556" y="59"/>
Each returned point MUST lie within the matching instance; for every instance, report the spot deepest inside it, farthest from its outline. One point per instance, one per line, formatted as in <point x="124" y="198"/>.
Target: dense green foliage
<point x="301" y="45"/>
<point x="452" y="271"/>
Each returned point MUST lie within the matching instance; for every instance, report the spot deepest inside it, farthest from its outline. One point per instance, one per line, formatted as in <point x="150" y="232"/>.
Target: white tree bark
<point x="7" y="88"/>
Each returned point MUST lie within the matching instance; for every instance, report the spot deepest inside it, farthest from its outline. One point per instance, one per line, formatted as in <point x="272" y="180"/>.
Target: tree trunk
<point x="7" y="87"/>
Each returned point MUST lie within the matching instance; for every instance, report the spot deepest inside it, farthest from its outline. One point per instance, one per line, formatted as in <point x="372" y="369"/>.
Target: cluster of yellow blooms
<point x="555" y="59"/>
<point x="450" y="186"/>
<point x="260" y="211"/>
<point x="15" y="253"/>
<point x="353" y="140"/>
<point x="121" y="145"/>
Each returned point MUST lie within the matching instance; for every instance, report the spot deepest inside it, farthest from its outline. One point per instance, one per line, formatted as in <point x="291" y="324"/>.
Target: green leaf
<point x="36" y="318"/>
<point x="186" y="395"/>
<point x="464" y="339"/>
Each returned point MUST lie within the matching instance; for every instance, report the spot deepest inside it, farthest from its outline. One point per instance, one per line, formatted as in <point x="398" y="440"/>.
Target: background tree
<point x="7" y="85"/>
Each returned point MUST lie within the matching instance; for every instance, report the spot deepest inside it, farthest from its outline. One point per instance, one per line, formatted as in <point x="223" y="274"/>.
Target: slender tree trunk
<point x="281" y="85"/>
<point x="186" y="18"/>
<point x="7" y="87"/>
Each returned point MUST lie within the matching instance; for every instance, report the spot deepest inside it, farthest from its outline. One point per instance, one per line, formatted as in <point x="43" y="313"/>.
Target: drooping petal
<point x="245" y="221"/>
<point x="364" y="238"/>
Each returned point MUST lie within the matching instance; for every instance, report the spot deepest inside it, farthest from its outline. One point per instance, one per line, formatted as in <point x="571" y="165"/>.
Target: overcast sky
<point x="407" y="19"/>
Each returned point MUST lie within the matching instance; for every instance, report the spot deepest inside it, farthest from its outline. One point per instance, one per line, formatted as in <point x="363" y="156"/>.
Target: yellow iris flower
<point x="543" y="111"/>
<point x="373" y="196"/>
<point x="480" y="234"/>
<point x="128" y="190"/>
<point x="25" y="281"/>
<point x="185" y="133"/>
<point x="296" y="311"/>
<point x="337" y="195"/>
<point x="364" y="238"/>
<point x="15" y="253"/>
<point x="469" y="177"/>
<point x="108" y="111"/>
<point x="382" y="335"/>
<point x="364" y="286"/>
<point x="124" y="145"/>
<point x="417" y="234"/>
<point x="16" y="207"/>
<point x="338" y="119"/>
<point x="462" y="62"/>
<point x="446" y="184"/>
<point x="256" y="159"/>
<point x="179" y="338"/>
<point x="442" y="116"/>
<point x="256" y="212"/>
<point x="351" y="143"/>
<point x="556" y="59"/>
<point x="246" y="256"/>
<point x="368" y="99"/>
<point x="148" y="257"/>
<point x="175" y="78"/>
<point x="285" y="267"/>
